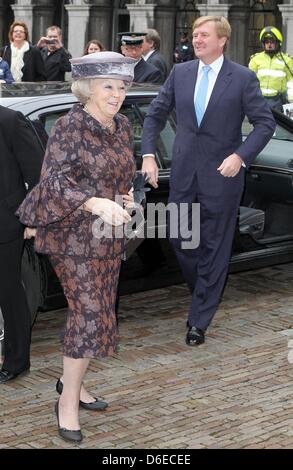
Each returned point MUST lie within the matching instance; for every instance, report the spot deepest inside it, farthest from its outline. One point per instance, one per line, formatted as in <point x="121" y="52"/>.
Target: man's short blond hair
<point x="222" y="25"/>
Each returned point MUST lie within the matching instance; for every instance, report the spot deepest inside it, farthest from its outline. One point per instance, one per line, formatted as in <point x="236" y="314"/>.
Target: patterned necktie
<point x="201" y="96"/>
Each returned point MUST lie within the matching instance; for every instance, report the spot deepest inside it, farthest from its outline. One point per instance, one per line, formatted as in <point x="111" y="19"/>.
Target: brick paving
<point x="235" y="391"/>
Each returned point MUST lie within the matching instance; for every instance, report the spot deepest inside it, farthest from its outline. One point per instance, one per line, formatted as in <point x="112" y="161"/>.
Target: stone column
<point x="238" y="48"/>
<point x="165" y="24"/>
<point x="43" y="17"/>
<point x="2" y="39"/>
<point x="78" y="23"/>
<point x="214" y="8"/>
<point x="100" y="26"/>
<point x="23" y="11"/>
<point x="287" y="14"/>
<point x="142" y="16"/>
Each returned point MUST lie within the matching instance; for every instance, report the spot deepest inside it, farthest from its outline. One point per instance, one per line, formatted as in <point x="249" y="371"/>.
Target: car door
<point x="153" y="263"/>
<point x="266" y="228"/>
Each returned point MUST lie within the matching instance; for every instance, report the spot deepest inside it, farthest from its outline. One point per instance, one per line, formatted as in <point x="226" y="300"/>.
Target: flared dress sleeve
<point x="60" y="191"/>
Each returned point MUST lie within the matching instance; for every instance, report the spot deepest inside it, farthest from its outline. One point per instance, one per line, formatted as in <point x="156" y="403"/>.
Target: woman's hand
<point x="109" y="211"/>
<point x="29" y="232"/>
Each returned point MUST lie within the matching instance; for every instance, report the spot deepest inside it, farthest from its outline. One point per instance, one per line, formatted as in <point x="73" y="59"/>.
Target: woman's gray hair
<point x="82" y="89"/>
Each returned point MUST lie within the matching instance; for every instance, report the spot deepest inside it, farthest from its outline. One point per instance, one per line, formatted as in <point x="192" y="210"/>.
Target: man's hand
<point x="42" y="42"/>
<point x="230" y="166"/>
<point x="150" y="168"/>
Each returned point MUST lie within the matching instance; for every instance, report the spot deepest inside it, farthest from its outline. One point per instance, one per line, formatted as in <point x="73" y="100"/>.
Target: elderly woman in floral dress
<point x="88" y="163"/>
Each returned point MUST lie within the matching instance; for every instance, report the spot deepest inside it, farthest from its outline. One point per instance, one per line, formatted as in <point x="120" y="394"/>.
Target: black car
<point x="264" y="234"/>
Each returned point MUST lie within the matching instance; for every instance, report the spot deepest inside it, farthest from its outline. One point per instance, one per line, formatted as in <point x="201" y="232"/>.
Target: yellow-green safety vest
<point x="273" y="72"/>
<point x="290" y="91"/>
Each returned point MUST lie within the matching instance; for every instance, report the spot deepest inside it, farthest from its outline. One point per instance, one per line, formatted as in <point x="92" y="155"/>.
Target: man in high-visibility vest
<point x="274" y="69"/>
<point x="290" y="91"/>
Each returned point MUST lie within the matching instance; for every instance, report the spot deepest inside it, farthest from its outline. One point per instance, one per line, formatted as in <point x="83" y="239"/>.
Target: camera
<point x="51" y="41"/>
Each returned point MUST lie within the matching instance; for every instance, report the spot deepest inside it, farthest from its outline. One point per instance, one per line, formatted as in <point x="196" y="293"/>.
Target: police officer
<point x="131" y="46"/>
<point x="290" y="91"/>
<point x="184" y="50"/>
<point x="273" y="68"/>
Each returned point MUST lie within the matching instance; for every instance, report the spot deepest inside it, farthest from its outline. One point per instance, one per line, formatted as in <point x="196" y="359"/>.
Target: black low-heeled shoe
<point x="67" y="434"/>
<point x="97" y="405"/>
<point x="194" y="336"/>
<point x="5" y="375"/>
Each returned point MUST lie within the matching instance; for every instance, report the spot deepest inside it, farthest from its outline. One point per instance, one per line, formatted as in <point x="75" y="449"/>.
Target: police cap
<point x="131" y="39"/>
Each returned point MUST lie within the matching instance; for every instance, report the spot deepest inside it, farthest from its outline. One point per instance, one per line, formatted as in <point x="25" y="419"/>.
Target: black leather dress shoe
<point x="97" y="405"/>
<point x="5" y="375"/>
<point x="194" y="336"/>
<point x="67" y="434"/>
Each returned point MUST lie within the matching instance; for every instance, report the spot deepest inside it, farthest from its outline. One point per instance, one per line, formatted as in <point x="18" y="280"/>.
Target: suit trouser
<point x="17" y="321"/>
<point x="205" y="268"/>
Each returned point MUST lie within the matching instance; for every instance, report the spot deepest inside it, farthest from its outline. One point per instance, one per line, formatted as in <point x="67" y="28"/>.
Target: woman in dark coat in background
<point x="24" y="60"/>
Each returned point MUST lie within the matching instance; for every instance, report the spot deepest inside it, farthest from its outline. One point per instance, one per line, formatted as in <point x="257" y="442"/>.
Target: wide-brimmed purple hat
<point x="105" y="64"/>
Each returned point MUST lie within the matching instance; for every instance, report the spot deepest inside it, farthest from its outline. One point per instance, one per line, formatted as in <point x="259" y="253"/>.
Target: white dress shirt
<point x="213" y="75"/>
<point x="148" y="55"/>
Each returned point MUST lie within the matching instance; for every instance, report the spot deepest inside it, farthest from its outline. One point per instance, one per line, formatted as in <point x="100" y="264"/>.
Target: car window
<point x="43" y="124"/>
<point x="277" y="151"/>
<point x="166" y="139"/>
<point x="135" y="112"/>
<point x="134" y="118"/>
<point x="50" y="119"/>
<point x="127" y="110"/>
<point x="280" y="132"/>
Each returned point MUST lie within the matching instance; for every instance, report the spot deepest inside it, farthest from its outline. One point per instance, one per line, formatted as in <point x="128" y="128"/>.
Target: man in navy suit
<point x="211" y="96"/>
<point x="151" y="52"/>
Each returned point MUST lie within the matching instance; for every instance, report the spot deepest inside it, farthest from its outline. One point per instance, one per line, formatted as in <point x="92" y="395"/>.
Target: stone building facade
<point x="82" y="20"/>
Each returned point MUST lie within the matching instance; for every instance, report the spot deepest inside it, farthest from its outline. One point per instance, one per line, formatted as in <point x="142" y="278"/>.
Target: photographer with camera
<point x="55" y="56"/>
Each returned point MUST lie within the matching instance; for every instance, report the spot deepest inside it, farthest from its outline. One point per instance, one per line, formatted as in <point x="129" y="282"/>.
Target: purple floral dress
<point x="82" y="160"/>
